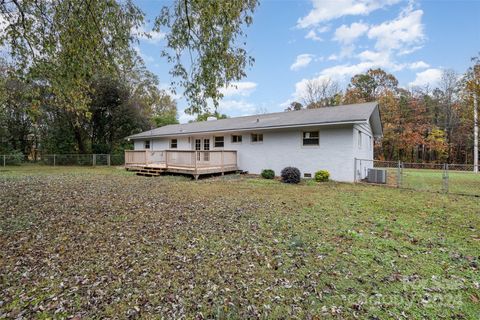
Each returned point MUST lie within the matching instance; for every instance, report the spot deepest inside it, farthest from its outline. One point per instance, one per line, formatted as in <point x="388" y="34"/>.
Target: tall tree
<point x="294" y="106"/>
<point x="370" y="85"/>
<point x="63" y="44"/>
<point x="115" y="114"/>
<point x="206" y="44"/>
<point x="165" y="110"/>
<point x="204" y="116"/>
<point x="321" y="93"/>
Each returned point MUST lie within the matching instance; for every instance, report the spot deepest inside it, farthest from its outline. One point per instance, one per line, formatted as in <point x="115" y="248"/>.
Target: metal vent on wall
<point x="377" y="175"/>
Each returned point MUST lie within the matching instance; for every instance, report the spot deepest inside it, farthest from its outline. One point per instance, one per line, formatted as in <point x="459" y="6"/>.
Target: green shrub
<point x="268" y="174"/>
<point x="14" y="158"/>
<point x="290" y="175"/>
<point x="322" y="175"/>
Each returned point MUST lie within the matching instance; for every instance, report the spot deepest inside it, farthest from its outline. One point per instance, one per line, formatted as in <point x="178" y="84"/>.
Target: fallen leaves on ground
<point x="110" y="245"/>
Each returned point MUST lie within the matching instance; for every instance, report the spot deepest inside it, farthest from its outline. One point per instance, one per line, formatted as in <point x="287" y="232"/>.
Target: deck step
<point x="147" y="174"/>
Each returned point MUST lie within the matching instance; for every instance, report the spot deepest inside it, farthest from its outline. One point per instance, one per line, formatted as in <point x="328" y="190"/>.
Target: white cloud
<point x="323" y="29"/>
<point x="166" y="87"/>
<point x="333" y="57"/>
<point x="243" y="88"/>
<point x="409" y="50"/>
<point x="313" y="33"/>
<point x="313" y="36"/>
<point x="302" y="61"/>
<point x="323" y="11"/>
<point x="341" y="72"/>
<point x="347" y="34"/>
<point x="428" y="77"/>
<point x="368" y="60"/>
<point x="185" y="118"/>
<point x="347" y="51"/>
<point x="392" y="38"/>
<point x="153" y="37"/>
<point x="236" y="107"/>
<point x="402" y="33"/>
<point x="418" y="65"/>
<point x="369" y="55"/>
<point x="145" y="57"/>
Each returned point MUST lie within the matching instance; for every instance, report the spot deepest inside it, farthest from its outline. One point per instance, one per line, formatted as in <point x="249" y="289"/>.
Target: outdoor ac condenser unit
<point x="377" y="176"/>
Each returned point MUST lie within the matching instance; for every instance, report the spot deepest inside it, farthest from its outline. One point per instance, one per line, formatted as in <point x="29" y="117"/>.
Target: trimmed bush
<point x="322" y="175"/>
<point x="290" y="175"/>
<point x="268" y="174"/>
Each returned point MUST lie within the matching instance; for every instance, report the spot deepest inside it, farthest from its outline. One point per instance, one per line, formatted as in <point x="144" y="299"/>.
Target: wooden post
<point x="195" y="163"/>
<point x="108" y="159"/>
<point x="94" y="160"/>
<point x="354" y="170"/>
<point x="54" y="160"/>
<point x="146" y="157"/>
<point x="222" y="163"/>
<point x="166" y="159"/>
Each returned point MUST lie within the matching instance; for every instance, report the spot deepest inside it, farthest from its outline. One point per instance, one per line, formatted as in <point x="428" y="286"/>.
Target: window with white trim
<point x="173" y="144"/>
<point x="236" y="138"/>
<point x="257" y="137"/>
<point x="146" y="144"/>
<point x="311" y="138"/>
<point x="219" y="142"/>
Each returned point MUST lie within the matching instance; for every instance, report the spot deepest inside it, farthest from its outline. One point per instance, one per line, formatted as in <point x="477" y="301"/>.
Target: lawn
<point x="103" y="243"/>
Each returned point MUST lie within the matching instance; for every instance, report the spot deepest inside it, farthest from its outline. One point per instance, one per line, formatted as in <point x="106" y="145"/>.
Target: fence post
<point x="94" y="159"/>
<point x="355" y="170"/>
<point x="108" y="159"/>
<point x="4" y="158"/>
<point x="399" y="174"/>
<point x="54" y="160"/>
<point x="445" y="177"/>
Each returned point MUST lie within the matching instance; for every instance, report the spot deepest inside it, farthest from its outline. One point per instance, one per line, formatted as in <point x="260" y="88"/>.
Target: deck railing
<point x="182" y="158"/>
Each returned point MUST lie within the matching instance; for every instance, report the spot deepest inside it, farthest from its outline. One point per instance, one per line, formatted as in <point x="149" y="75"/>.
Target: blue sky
<point x="296" y="41"/>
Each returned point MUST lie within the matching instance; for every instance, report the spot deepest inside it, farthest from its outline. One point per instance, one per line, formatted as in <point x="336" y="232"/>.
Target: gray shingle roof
<point x="323" y="116"/>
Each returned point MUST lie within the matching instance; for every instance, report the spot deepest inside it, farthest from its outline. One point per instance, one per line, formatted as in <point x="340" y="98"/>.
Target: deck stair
<point x="146" y="171"/>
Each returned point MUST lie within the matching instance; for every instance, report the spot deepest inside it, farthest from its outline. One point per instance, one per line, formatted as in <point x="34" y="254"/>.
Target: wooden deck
<point x="155" y="162"/>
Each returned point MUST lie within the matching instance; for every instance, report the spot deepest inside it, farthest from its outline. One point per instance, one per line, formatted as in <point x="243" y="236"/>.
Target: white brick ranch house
<point x="327" y="138"/>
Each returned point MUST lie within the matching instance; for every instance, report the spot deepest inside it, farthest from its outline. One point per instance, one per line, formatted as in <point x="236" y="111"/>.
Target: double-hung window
<point x="236" y="139"/>
<point x="146" y="145"/>
<point x="311" y="138"/>
<point x="173" y="144"/>
<point x="219" y="142"/>
<point x="257" y="137"/>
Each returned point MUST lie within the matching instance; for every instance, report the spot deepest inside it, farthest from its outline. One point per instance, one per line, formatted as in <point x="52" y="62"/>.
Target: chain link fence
<point x="446" y="178"/>
<point x="66" y="160"/>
